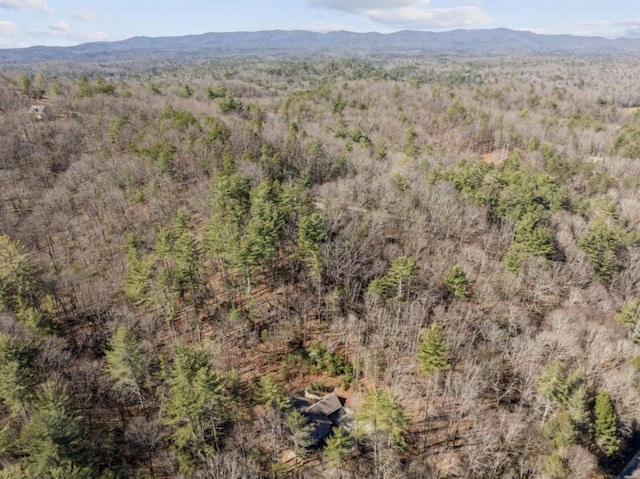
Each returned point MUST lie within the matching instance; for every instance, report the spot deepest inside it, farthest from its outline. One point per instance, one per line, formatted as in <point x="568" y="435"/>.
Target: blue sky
<point x="69" y="22"/>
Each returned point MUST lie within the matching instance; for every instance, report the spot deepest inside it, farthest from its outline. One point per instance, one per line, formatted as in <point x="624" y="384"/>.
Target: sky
<point x="26" y="23"/>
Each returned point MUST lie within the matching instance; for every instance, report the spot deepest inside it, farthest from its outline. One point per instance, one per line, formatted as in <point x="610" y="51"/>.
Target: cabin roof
<point x="326" y="406"/>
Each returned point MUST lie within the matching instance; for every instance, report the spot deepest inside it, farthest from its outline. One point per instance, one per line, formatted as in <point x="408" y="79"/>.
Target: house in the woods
<point x="323" y="415"/>
<point x="39" y="112"/>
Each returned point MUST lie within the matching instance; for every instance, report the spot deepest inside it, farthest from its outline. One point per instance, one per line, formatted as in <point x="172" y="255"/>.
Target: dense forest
<point x="450" y="245"/>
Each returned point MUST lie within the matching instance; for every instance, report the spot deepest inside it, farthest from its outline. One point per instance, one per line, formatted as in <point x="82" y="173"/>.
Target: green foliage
<point x="354" y="135"/>
<point x="102" y="86"/>
<point x="218" y="133"/>
<point x="186" y="91"/>
<point x="187" y="265"/>
<point x="599" y="182"/>
<point x="311" y="233"/>
<point x="300" y="429"/>
<point x="272" y="394"/>
<point x="167" y="275"/>
<point x="195" y="403"/>
<point x="39" y="86"/>
<point x="25" y="84"/>
<point x="532" y="238"/>
<point x="311" y="236"/>
<point x="217" y="92"/>
<point x="397" y="282"/>
<point x="561" y="430"/>
<point x="126" y="361"/>
<point x="137" y="273"/>
<point x="155" y="88"/>
<point x="17" y="378"/>
<point x="579" y="403"/>
<point x="20" y="288"/>
<point x="337" y="448"/>
<point x="179" y="119"/>
<point x="116" y="128"/>
<point x="410" y="149"/>
<point x="629" y="316"/>
<point x="601" y="243"/>
<point x="552" y="383"/>
<point x="380" y="411"/>
<point x="456" y="113"/>
<point x="231" y="197"/>
<point x="555" y="467"/>
<point x="265" y="226"/>
<point x="433" y="355"/>
<point x="162" y="154"/>
<point x="627" y="142"/>
<point x="229" y="104"/>
<point x="18" y="275"/>
<point x="456" y="282"/>
<point x="605" y="240"/>
<point x="53" y="437"/>
<point x="635" y="363"/>
<point x="225" y="230"/>
<point x="399" y="182"/>
<point x="576" y="418"/>
<point x="514" y="194"/>
<point x="328" y="362"/>
<point x="84" y="88"/>
<point x="606" y="425"/>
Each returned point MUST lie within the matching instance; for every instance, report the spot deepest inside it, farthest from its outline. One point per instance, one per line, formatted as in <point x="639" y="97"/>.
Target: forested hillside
<point x="450" y="245"/>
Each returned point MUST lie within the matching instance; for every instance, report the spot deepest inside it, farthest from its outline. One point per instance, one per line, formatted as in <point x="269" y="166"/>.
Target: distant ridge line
<point x="483" y="42"/>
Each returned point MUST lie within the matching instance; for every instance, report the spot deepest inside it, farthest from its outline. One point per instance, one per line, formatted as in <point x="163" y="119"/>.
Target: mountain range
<point x="489" y="42"/>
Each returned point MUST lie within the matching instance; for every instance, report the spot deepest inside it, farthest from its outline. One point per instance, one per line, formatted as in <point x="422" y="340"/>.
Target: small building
<point x="323" y="415"/>
<point x="39" y="112"/>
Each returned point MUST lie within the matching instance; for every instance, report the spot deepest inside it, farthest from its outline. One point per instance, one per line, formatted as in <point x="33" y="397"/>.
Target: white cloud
<point x="84" y="15"/>
<point x="362" y="6"/>
<point x="414" y="17"/>
<point x="60" y="27"/>
<point x="7" y="29"/>
<point x="409" y="13"/>
<point x="39" y="5"/>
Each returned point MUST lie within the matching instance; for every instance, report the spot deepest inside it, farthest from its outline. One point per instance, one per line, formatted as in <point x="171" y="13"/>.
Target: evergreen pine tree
<point x="337" y="447"/>
<point x="137" y="273"/>
<point x="629" y="315"/>
<point x="25" y="84"/>
<point x="396" y="283"/>
<point x="433" y="351"/>
<point x="271" y="394"/>
<point x="18" y="276"/>
<point x="553" y="385"/>
<point x="311" y="235"/>
<point x="17" y="381"/>
<point x="53" y="437"/>
<point x="383" y="412"/>
<point x="299" y="428"/>
<point x="456" y="282"/>
<point x="561" y="429"/>
<point x="606" y="424"/>
<point x="194" y="407"/>
<point x="126" y="361"/>
<point x="601" y="243"/>
<point x="579" y="403"/>
<point x="264" y="229"/>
